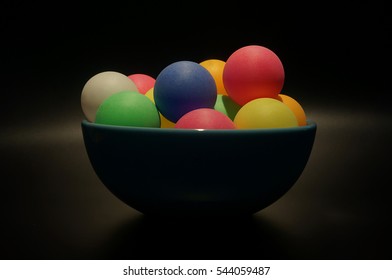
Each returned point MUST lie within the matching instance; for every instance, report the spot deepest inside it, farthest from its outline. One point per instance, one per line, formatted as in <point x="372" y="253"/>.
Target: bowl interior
<point x="187" y="171"/>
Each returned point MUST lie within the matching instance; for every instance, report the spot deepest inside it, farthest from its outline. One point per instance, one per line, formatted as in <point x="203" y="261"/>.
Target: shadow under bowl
<point x="168" y="171"/>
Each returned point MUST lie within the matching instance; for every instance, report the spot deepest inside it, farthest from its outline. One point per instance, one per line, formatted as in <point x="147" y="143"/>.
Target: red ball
<point x="143" y="82"/>
<point x="253" y="72"/>
<point x="205" y="118"/>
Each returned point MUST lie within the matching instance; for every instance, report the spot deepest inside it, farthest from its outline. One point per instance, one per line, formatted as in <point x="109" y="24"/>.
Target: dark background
<point x="337" y="62"/>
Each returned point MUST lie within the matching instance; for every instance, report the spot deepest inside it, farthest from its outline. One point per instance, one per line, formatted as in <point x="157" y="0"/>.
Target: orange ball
<point x="215" y="67"/>
<point x="295" y="106"/>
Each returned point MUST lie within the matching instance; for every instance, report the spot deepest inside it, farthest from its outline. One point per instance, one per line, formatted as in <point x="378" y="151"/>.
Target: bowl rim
<point x="310" y="125"/>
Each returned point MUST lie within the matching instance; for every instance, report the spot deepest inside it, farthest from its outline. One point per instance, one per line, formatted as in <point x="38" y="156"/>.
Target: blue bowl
<point x="168" y="171"/>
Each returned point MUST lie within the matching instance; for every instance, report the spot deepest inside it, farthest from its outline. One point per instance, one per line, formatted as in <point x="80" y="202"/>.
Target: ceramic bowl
<point x="198" y="172"/>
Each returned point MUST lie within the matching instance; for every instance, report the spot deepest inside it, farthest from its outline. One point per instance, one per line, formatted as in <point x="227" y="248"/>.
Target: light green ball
<point x="226" y="105"/>
<point x="128" y="108"/>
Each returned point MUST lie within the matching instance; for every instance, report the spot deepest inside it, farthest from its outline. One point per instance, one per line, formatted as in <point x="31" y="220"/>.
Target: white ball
<point x="101" y="86"/>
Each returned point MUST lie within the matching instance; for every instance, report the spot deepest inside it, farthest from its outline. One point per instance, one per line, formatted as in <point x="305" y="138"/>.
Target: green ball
<point x="227" y="106"/>
<point x="128" y="108"/>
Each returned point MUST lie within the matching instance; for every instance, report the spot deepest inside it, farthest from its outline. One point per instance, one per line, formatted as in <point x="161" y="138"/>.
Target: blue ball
<point x="184" y="86"/>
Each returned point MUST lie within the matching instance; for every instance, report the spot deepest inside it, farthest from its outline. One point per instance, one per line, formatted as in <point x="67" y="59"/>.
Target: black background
<point x="337" y="65"/>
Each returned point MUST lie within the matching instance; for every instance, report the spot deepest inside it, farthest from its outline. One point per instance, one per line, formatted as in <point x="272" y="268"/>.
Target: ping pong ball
<point x="226" y="105"/>
<point x="165" y="123"/>
<point x="128" y="108"/>
<point x="205" y="118"/>
<point x="150" y="94"/>
<point x="253" y="72"/>
<point x="215" y="67"/>
<point x="296" y="107"/>
<point x="265" y="113"/>
<point x="142" y="81"/>
<point x="101" y="86"/>
<point x="183" y="86"/>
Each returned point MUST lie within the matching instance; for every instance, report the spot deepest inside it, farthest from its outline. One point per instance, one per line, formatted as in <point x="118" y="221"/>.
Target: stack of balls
<point x="243" y="92"/>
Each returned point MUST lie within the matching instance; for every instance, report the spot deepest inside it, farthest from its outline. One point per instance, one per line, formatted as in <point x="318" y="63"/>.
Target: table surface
<point x="55" y="207"/>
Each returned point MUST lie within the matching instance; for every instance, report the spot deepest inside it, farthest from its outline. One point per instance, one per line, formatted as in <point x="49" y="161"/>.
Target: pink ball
<point x="205" y="118"/>
<point x="253" y="72"/>
<point x="143" y="82"/>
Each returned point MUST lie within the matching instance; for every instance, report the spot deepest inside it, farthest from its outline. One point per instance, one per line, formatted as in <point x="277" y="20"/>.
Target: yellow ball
<point x="265" y="113"/>
<point x="295" y="107"/>
<point x="150" y="94"/>
<point x="215" y="67"/>
<point x="165" y="123"/>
